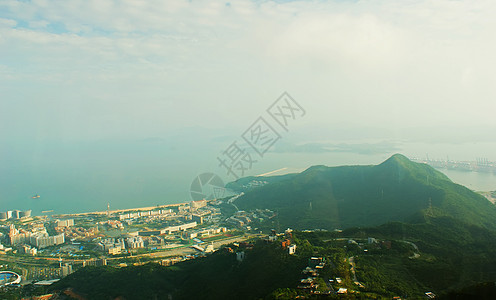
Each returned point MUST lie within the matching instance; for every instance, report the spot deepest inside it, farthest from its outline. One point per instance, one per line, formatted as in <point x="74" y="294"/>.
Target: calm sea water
<point x="86" y="176"/>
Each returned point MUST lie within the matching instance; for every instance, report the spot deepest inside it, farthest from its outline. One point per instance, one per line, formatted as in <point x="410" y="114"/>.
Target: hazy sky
<point x="127" y="101"/>
<point x="90" y="70"/>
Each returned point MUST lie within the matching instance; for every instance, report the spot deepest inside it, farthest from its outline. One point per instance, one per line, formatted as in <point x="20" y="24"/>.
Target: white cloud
<point x="207" y="60"/>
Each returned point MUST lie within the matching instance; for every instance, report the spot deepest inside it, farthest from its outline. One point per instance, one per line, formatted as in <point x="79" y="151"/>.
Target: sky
<point x="92" y="70"/>
<point x="127" y="100"/>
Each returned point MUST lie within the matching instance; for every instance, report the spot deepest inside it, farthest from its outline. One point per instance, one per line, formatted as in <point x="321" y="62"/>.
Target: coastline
<point x="120" y="210"/>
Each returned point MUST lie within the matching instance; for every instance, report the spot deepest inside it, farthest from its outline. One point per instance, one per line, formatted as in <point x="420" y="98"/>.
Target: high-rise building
<point x="95" y="262"/>
<point x="65" y="223"/>
<point x="65" y="270"/>
<point x="15" y="214"/>
<point x="16" y="237"/>
<point x="42" y="239"/>
<point x="25" y="214"/>
<point x="29" y="250"/>
<point x="135" y="242"/>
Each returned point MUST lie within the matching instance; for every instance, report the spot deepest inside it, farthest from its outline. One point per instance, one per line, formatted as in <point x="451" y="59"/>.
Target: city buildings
<point x="95" y="262"/>
<point x="14" y="214"/>
<point x="65" y="270"/>
<point x="135" y="242"/>
<point x="64" y="223"/>
<point x="42" y="239"/>
<point x="27" y="249"/>
<point x="136" y="215"/>
<point x="112" y="246"/>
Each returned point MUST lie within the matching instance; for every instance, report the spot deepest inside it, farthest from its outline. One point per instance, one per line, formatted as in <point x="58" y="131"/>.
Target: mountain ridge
<point x="348" y="196"/>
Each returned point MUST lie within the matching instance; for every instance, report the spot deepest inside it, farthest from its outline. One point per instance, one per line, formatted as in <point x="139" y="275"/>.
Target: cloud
<point x="179" y="63"/>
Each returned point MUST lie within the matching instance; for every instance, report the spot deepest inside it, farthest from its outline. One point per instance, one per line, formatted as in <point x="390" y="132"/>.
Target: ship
<point x="36" y="196"/>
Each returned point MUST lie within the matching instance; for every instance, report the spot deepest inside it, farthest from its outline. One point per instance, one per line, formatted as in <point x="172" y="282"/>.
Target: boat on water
<point x="36" y="196"/>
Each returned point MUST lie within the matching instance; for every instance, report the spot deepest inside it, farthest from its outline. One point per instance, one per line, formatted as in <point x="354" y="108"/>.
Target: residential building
<point x="65" y="270"/>
<point x="65" y="223"/>
<point x="29" y="250"/>
<point x="135" y="242"/>
<point x="95" y="262"/>
<point x="42" y="239"/>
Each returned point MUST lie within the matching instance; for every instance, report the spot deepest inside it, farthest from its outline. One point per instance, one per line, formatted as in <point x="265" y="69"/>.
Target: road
<point x="352" y="268"/>
<point x="415" y="255"/>
<point x="353" y="272"/>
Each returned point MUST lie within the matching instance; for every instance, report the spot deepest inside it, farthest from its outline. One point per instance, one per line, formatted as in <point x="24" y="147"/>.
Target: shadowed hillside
<point x="347" y="196"/>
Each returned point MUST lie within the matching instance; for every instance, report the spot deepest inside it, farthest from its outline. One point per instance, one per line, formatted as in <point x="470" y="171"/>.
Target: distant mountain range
<point x="349" y="196"/>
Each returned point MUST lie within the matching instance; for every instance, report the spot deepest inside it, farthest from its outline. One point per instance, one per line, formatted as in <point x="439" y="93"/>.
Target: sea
<point x="74" y="177"/>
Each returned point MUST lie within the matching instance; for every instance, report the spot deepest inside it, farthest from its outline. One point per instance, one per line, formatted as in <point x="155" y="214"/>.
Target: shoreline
<point x="120" y="210"/>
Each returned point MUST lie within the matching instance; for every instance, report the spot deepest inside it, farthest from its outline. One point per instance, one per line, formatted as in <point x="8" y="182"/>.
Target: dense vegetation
<point x="441" y="254"/>
<point x="453" y="254"/>
<point x="219" y="276"/>
<point x="245" y="184"/>
<point x="348" y="196"/>
<point x="450" y="255"/>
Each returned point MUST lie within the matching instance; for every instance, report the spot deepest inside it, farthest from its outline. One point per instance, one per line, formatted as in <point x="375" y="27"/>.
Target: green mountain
<point x="341" y="197"/>
<point x="442" y="255"/>
<point x="249" y="183"/>
<point x="431" y="235"/>
<point x="265" y="268"/>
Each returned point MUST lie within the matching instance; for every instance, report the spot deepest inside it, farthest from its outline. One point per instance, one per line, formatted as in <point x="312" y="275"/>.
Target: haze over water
<point x="126" y="103"/>
<point x="86" y="176"/>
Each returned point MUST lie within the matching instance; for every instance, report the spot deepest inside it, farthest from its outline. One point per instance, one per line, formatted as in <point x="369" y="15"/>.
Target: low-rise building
<point x="171" y="229"/>
<point x="29" y="250"/>
<point x="135" y="242"/>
